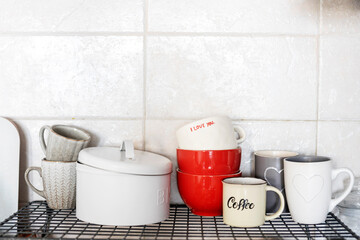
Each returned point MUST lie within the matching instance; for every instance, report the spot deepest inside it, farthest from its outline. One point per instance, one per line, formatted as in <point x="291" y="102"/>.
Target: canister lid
<point x="125" y="160"/>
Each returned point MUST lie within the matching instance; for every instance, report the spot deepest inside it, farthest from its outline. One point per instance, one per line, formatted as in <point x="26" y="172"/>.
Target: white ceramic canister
<point x="122" y="187"/>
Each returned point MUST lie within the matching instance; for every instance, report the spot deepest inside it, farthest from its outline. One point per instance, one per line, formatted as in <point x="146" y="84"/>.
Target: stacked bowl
<point x="208" y="153"/>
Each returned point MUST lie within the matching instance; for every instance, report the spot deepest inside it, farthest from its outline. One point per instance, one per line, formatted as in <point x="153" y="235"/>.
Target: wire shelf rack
<point x="36" y="220"/>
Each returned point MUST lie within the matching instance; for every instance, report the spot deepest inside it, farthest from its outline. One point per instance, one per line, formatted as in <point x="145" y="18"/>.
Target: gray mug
<point x="63" y="143"/>
<point x="269" y="166"/>
<point x="59" y="183"/>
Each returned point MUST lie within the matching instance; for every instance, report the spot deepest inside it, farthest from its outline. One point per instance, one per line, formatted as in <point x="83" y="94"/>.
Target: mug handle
<point x="38" y="169"/>
<point x="41" y="137"/>
<point x="241" y="133"/>
<point x="334" y="173"/>
<point x="282" y="203"/>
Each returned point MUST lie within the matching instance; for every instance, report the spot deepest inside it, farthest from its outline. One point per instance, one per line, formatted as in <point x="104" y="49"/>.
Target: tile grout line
<point x="23" y="118"/>
<point x="69" y="34"/>
<point x="228" y="34"/>
<point x="318" y="66"/>
<point x="165" y="34"/>
<point x="145" y="31"/>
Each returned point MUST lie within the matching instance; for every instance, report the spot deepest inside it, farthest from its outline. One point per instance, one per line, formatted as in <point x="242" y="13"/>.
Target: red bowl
<point x="202" y="193"/>
<point x="209" y="162"/>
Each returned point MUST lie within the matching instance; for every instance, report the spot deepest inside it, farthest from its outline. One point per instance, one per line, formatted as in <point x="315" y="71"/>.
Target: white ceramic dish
<point x="117" y="188"/>
<point x="9" y="168"/>
<point x="213" y="133"/>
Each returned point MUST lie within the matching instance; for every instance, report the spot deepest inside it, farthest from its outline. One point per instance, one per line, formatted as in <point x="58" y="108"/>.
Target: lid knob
<point x="128" y="147"/>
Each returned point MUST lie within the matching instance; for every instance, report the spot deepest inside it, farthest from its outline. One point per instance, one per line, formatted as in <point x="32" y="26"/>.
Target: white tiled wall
<point x="288" y="72"/>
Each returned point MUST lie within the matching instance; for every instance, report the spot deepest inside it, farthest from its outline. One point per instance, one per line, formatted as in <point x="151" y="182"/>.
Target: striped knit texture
<point x="59" y="184"/>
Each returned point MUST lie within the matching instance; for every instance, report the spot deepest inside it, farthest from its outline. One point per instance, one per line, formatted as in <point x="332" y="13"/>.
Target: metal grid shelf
<point x="36" y="220"/>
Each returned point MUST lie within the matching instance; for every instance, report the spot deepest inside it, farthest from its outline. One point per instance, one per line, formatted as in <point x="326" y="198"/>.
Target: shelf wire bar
<point x="187" y="225"/>
<point x="275" y="229"/>
<point x="342" y="224"/>
<point x="37" y="220"/>
<point x="232" y="232"/>
<point x="173" y="226"/>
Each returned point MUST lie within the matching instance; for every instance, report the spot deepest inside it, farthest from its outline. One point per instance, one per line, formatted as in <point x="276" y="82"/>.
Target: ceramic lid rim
<point x="144" y="163"/>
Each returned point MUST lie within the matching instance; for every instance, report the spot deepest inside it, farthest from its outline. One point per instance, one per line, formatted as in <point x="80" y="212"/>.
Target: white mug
<point x="244" y="202"/>
<point x="308" y="181"/>
<point x="59" y="183"/>
<point x="213" y="133"/>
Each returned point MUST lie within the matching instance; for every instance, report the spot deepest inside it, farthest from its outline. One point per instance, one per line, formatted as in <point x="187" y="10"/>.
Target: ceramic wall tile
<point x="249" y="16"/>
<point x="103" y="133"/>
<point x="276" y="135"/>
<point x="244" y="77"/>
<point x="71" y="76"/>
<point x="340" y="16"/>
<point x="340" y="141"/>
<point x="71" y="16"/>
<point x="297" y="136"/>
<point x="160" y="138"/>
<point x="339" y="83"/>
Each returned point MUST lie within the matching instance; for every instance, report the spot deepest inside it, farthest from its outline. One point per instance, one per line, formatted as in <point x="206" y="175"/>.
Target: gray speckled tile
<point x="71" y="76"/>
<point x="339" y="94"/>
<point x="71" y="16"/>
<point x="340" y="16"/>
<point x="243" y="77"/>
<point x="245" y="16"/>
<point x="340" y="141"/>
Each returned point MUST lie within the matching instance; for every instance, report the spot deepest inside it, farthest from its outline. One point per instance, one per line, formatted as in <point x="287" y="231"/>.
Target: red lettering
<point x="197" y="127"/>
<point x="210" y="123"/>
